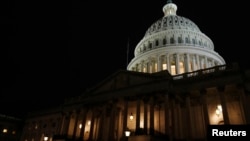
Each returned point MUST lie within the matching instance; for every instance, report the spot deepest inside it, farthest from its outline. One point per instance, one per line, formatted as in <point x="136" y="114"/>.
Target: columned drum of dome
<point x="176" y="44"/>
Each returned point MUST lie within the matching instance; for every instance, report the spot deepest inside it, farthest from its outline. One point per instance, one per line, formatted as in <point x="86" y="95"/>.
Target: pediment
<point x="123" y="79"/>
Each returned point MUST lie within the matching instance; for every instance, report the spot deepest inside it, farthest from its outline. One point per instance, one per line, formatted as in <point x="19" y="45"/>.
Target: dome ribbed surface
<point x="172" y="22"/>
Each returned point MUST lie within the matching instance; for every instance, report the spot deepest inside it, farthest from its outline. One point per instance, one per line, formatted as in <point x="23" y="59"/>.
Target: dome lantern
<point x="169" y="9"/>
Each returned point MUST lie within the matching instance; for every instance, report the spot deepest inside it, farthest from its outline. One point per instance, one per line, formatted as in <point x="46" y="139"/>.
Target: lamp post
<point x="127" y="134"/>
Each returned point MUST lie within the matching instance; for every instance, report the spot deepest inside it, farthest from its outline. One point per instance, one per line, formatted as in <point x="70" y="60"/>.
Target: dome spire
<point x="170" y="8"/>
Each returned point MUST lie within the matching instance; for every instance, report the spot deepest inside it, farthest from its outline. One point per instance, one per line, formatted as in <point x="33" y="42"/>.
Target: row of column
<point x="104" y="123"/>
<point x="182" y="63"/>
<point x="111" y="121"/>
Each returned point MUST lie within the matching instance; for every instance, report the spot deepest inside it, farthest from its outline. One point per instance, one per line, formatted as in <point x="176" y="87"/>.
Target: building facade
<point x="173" y="89"/>
<point x="150" y="106"/>
<point x="10" y="128"/>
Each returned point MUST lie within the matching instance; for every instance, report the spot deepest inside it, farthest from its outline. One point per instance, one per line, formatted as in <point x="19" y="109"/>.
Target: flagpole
<point x="127" y="51"/>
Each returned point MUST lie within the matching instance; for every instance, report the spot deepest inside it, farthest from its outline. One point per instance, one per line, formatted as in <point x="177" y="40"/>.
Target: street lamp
<point x="127" y="132"/>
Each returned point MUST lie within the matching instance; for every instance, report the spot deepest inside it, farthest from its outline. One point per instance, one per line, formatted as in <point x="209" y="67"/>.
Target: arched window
<point x="194" y="42"/>
<point x="187" y="40"/>
<point x="150" y="46"/>
<point x="164" y="41"/>
<point x="157" y="43"/>
<point x="200" y="43"/>
<point x="180" y="40"/>
<point x="172" y="40"/>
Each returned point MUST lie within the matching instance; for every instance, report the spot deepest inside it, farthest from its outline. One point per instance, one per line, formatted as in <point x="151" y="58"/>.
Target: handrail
<point x="200" y="72"/>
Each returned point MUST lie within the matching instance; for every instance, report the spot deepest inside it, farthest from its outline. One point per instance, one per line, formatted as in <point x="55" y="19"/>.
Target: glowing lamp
<point x="127" y="133"/>
<point x="45" y="138"/>
<point x="131" y="117"/>
<point x="218" y="110"/>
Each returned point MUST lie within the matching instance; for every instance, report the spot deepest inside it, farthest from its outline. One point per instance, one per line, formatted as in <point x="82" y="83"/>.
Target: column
<point x="167" y="118"/>
<point x="76" y="123"/>
<point x="193" y="64"/>
<point x="198" y="62"/>
<point x="92" y="125"/>
<point x="102" y="115"/>
<point x="205" y="62"/>
<point x="65" y="127"/>
<point x="213" y="64"/>
<point x="177" y="65"/>
<point x="60" y="130"/>
<point x="205" y="109"/>
<point x="168" y="63"/>
<point x="187" y="60"/>
<point x="137" y="67"/>
<point x="125" y="115"/>
<point x="189" y="121"/>
<point x="142" y="66"/>
<point x="149" y="65"/>
<point x="145" y="116"/>
<point x="112" y="122"/>
<point x="172" y="120"/>
<point x="243" y="101"/>
<point x="151" y="129"/>
<point x="177" y="121"/>
<point x="159" y="64"/>
<point x="84" y="116"/>
<point x="138" y="107"/>
<point x="119" y="128"/>
<point x="223" y="104"/>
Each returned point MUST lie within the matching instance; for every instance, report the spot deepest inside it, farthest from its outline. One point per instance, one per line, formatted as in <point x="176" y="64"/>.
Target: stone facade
<point x="163" y="106"/>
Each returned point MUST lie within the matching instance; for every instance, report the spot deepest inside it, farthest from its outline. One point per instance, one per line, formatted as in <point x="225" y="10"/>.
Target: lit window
<point x="164" y="66"/>
<point x="181" y="65"/>
<point x="13" y="132"/>
<point x="173" y="72"/>
<point x="5" y="130"/>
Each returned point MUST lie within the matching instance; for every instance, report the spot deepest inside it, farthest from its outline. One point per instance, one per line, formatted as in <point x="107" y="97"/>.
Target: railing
<point x="200" y="72"/>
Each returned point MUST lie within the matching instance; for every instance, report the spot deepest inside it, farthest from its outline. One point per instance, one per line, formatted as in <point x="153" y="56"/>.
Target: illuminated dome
<point x="176" y="44"/>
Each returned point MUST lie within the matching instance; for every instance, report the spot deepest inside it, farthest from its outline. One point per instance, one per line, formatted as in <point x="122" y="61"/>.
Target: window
<point x="150" y="45"/>
<point x="164" y="41"/>
<point x="187" y="40"/>
<point x="193" y="40"/>
<point x="172" y="40"/>
<point x="156" y="43"/>
<point x="179" y="40"/>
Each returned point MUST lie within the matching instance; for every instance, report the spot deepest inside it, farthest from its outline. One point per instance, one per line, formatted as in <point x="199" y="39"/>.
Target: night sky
<point x="52" y="50"/>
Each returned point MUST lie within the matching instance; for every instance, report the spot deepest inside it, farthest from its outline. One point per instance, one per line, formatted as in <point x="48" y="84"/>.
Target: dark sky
<point x="52" y="50"/>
